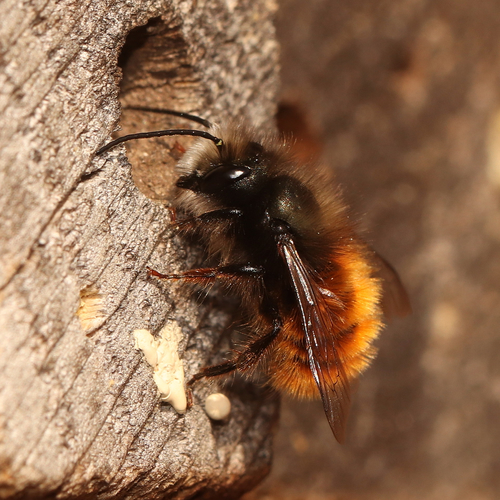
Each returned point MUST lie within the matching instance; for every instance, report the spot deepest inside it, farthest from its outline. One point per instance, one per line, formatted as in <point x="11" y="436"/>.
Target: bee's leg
<point x="209" y="274"/>
<point x="189" y="398"/>
<point x="246" y="359"/>
<point x="179" y="148"/>
<point x="214" y="217"/>
<point x="173" y="216"/>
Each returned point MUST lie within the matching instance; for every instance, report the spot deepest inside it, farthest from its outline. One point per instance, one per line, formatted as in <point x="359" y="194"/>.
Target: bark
<point x="79" y="413"/>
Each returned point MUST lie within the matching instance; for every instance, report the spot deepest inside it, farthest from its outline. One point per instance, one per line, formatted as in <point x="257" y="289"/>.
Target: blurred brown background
<point x="404" y="95"/>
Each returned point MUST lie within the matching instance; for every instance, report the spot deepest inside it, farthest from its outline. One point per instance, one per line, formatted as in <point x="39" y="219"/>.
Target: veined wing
<point x="320" y="329"/>
<point x="395" y="300"/>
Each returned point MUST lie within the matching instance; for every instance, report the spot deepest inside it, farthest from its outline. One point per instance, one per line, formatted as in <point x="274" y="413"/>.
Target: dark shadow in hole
<point x="294" y="121"/>
<point x="155" y="65"/>
<point x="136" y="39"/>
<point x="154" y="57"/>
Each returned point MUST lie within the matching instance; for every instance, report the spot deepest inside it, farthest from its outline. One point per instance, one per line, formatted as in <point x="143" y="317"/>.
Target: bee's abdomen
<point x="348" y="339"/>
<point x="289" y="365"/>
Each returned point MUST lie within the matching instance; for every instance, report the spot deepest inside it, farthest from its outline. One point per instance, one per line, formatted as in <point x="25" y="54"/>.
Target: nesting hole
<point x="294" y="122"/>
<point x="158" y="72"/>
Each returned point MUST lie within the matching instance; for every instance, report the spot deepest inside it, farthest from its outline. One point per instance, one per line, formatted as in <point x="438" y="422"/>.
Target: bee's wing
<point x="319" y="328"/>
<point x="395" y="300"/>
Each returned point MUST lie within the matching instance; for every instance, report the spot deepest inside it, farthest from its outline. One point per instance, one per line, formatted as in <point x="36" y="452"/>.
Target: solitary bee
<point x="282" y="240"/>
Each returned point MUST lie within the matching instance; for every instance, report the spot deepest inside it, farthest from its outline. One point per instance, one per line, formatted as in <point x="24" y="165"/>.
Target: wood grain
<point x="79" y="412"/>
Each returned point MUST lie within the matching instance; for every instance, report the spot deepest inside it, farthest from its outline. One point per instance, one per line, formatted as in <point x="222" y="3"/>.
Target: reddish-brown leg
<point x="245" y="360"/>
<point x="210" y="274"/>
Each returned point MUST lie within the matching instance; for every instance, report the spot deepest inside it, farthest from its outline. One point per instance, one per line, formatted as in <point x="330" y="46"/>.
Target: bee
<point x="278" y="235"/>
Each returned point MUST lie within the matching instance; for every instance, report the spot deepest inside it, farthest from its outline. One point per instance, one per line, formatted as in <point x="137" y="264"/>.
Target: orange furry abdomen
<point x="352" y="282"/>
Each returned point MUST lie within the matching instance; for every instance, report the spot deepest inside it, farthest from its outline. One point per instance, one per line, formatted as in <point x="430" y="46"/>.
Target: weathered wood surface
<point x="79" y="413"/>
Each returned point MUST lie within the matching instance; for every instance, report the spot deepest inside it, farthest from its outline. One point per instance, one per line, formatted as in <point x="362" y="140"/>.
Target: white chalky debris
<point x="217" y="406"/>
<point x="162" y="354"/>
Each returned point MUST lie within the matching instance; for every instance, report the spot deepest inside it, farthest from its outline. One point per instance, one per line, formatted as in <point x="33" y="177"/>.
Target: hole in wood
<point x="158" y="73"/>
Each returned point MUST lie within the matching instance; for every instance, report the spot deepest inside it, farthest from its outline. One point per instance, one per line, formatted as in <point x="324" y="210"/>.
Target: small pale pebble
<point x="217" y="406"/>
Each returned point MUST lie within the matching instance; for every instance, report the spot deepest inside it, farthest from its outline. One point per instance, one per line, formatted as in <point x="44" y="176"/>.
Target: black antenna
<point x="161" y="133"/>
<point x="180" y="114"/>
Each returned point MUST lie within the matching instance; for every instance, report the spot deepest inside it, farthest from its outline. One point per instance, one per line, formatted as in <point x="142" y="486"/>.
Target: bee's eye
<point x="222" y="177"/>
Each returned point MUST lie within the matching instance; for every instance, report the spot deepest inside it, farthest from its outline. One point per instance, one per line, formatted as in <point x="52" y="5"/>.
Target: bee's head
<point x="231" y="175"/>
